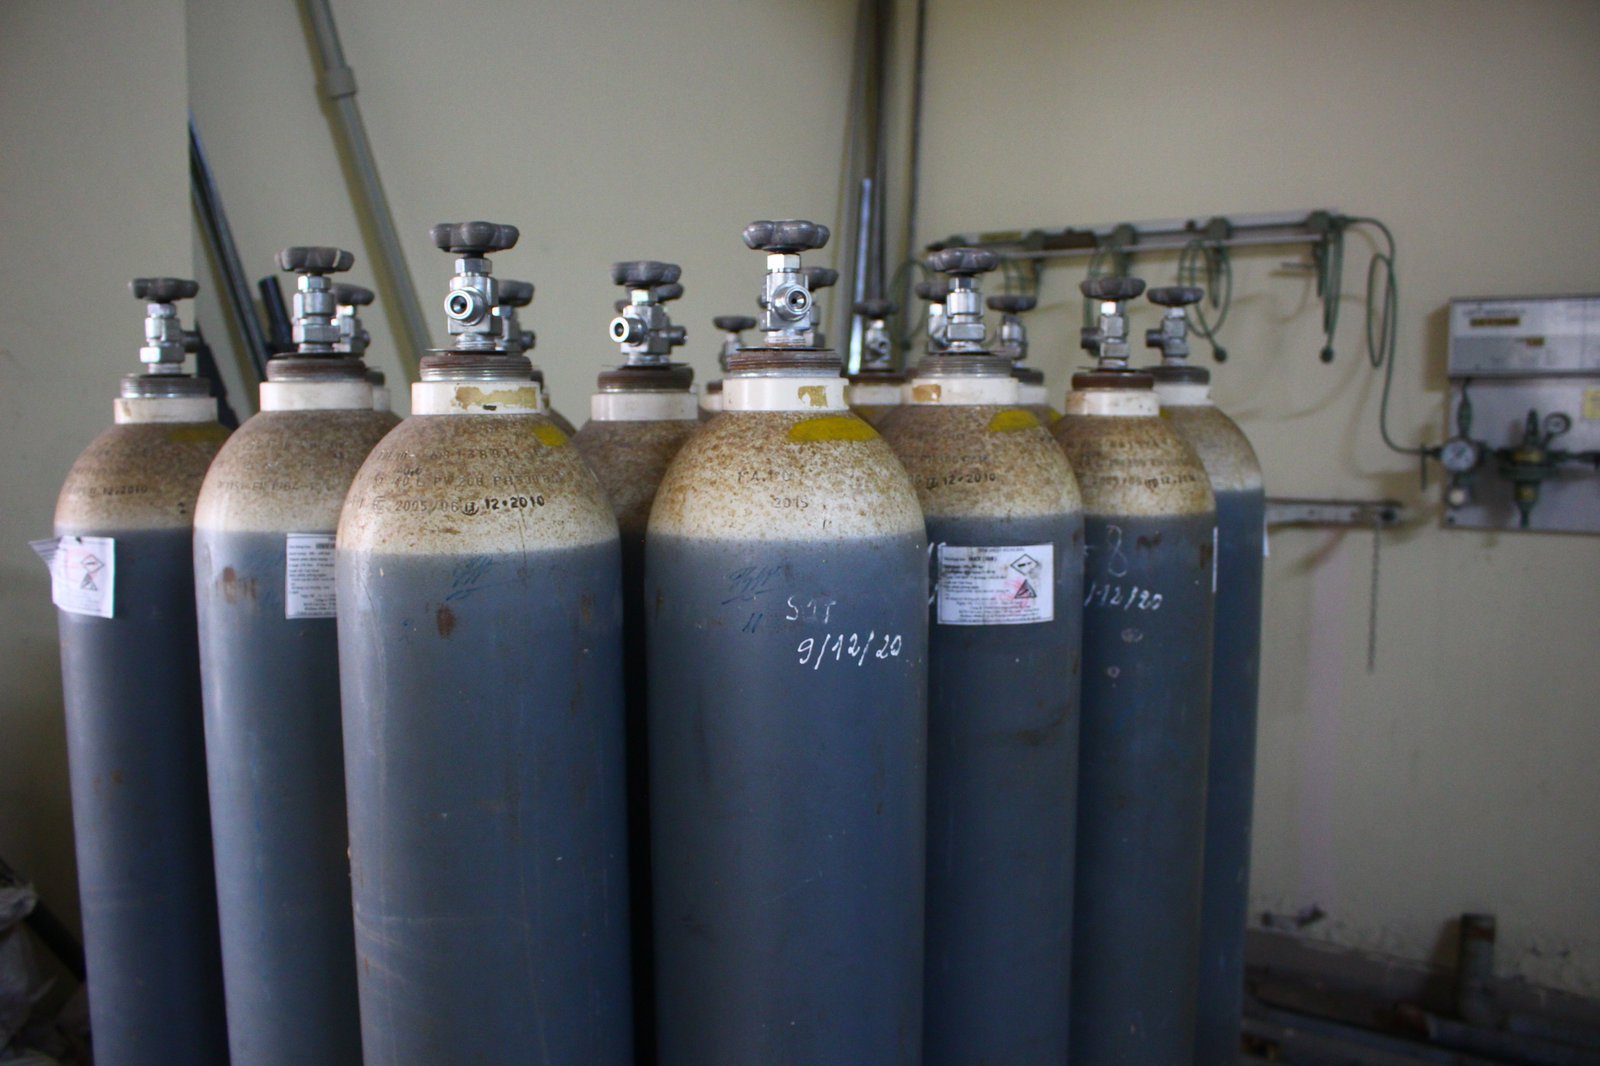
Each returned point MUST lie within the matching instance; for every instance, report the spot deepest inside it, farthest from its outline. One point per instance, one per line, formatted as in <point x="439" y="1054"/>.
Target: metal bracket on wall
<point x="1373" y="515"/>
<point x="1350" y="514"/>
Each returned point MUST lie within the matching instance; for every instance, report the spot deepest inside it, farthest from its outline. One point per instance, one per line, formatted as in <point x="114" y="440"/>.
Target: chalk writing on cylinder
<point x="848" y="648"/>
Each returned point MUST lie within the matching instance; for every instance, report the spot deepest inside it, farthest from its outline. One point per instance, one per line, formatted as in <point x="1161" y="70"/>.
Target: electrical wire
<point x="1218" y="286"/>
<point x="1383" y="324"/>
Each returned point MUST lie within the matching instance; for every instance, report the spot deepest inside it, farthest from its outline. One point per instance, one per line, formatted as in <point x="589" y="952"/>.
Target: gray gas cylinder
<point x="123" y="578"/>
<point x="1011" y="342"/>
<point x="1149" y="585"/>
<point x="514" y="340"/>
<point x="640" y="417"/>
<point x="1230" y="462"/>
<point x="732" y="327"/>
<point x="1005" y="528"/>
<point x="786" y="580"/>
<point x="263" y="560"/>
<point x="480" y="650"/>
<point x="876" y="389"/>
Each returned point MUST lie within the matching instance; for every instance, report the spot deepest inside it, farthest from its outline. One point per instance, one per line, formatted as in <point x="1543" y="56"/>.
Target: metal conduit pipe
<point x="338" y="85"/>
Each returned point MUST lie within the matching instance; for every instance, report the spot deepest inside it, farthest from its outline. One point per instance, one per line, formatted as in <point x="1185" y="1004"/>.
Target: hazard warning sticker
<point x="995" y="586"/>
<point x="83" y="571"/>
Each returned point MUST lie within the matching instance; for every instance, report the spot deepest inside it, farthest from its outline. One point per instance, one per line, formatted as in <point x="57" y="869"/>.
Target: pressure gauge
<point x="1557" y="423"/>
<point x="1458" y="455"/>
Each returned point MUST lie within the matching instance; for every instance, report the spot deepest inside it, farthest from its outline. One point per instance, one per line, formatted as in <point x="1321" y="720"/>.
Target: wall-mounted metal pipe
<point x="338" y="84"/>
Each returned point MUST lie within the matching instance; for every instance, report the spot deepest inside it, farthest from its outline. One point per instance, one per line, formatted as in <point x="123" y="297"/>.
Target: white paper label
<point x="83" y="571"/>
<point x="996" y="586"/>
<point x="308" y="586"/>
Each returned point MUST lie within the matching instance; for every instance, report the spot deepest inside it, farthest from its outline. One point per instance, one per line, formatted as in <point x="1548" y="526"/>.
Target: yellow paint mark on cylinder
<point x="925" y="393"/>
<point x="815" y="395"/>
<point x="833" y="427"/>
<point x="1012" y="420"/>
<point x="549" y="434"/>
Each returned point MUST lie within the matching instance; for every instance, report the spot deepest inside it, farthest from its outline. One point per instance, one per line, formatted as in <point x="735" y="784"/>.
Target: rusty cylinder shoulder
<point x="981" y="460"/>
<point x="288" y="471"/>
<point x="786" y="475"/>
<point x="1223" y="448"/>
<point x="138" y="475"/>
<point x="471" y="483"/>
<point x="630" y="459"/>
<point x="1133" y="465"/>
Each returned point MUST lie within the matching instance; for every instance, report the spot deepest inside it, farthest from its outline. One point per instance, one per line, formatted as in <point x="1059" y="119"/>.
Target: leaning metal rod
<point x="214" y="221"/>
<point x="339" y="86"/>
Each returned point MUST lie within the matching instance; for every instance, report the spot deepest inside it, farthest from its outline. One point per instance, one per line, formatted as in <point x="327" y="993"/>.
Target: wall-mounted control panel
<point x="1525" y="414"/>
<point x="1524" y="336"/>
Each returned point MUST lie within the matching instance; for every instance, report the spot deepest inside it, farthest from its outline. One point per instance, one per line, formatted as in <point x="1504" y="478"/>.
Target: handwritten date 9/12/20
<point x="848" y="647"/>
<point x="1123" y="597"/>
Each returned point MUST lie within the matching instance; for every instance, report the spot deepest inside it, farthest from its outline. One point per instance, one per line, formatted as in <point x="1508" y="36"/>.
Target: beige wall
<point x="94" y="189"/>
<point x="1460" y="774"/>
<point x="1457" y="776"/>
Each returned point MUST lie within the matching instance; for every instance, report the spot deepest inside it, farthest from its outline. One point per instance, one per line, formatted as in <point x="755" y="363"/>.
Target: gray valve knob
<point x="1176" y="295"/>
<point x="1172" y="336"/>
<point x="820" y="277"/>
<point x="474" y="239"/>
<point x="963" y="303"/>
<point x="644" y="273"/>
<point x="316" y="306"/>
<point x="642" y="326"/>
<point x="1011" y="341"/>
<point x="315" y="259"/>
<point x="788" y="312"/>
<point x="516" y="293"/>
<point x="933" y="291"/>
<point x="963" y="262"/>
<point x="480" y="318"/>
<point x="165" y="339"/>
<point x="353" y="336"/>
<point x="1109" y="288"/>
<point x="1012" y="303"/>
<point x="660" y="293"/>
<point x="1109" y="340"/>
<point x="734" y="323"/>
<point x="163" y="290"/>
<point x="786" y="236"/>
<point x="875" y="308"/>
<point x="352" y="295"/>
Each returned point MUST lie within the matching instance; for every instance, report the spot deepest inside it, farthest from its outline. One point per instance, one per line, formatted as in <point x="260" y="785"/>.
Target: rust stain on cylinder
<point x="445" y="620"/>
<point x="235" y="588"/>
